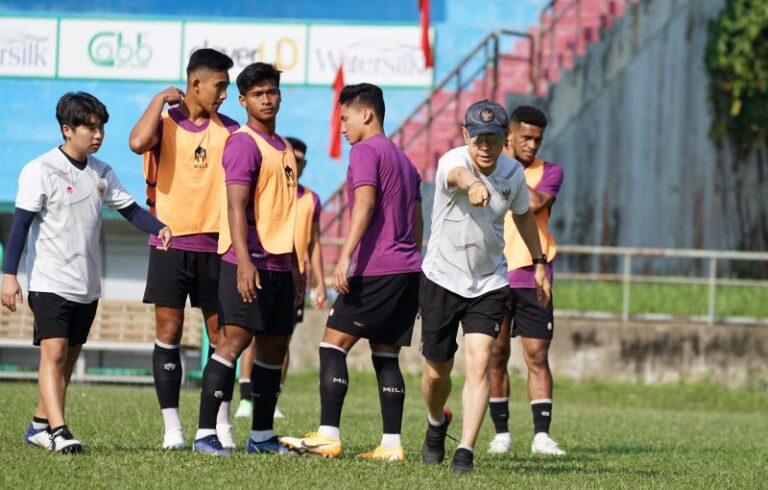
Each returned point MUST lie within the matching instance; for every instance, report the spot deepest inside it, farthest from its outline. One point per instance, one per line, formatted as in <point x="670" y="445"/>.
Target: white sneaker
<point x="278" y="413"/>
<point x="500" y="444"/>
<point x="224" y="433"/>
<point x="244" y="410"/>
<point x="62" y="441"/>
<point x="174" y="439"/>
<point x="543" y="444"/>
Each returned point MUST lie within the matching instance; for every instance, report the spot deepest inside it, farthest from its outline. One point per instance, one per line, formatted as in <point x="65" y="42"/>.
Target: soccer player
<point x="259" y="280"/>
<point x="307" y="246"/>
<point x="534" y="325"/>
<point x="465" y="276"/>
<point x="182" y="150"/>
<point x="60" y="197"/>
<point x="377" y="276"/>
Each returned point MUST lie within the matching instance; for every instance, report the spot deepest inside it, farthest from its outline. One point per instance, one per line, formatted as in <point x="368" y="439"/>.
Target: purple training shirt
<point x="242" y="163"/>
<point x="200" y="242"/>
<point x="551" y="179"/>
<point x="388" y="245"/>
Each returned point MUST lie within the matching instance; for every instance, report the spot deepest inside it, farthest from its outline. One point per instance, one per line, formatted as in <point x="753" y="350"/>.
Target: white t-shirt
<point x="63" y="252"/>
<point x="465" y="254"/>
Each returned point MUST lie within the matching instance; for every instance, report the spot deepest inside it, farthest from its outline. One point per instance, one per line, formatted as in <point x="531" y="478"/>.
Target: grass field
<point x="618" y="436"/>
<point x="673" y="299"/>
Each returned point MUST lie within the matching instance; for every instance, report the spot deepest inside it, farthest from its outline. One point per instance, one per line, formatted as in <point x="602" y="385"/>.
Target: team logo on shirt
<point x="70" y="190"/>
<point x="289" y="175"/>
<point x="201" y="158"/>
<point x="505" y="192"/>
<point x="101" y="188"/>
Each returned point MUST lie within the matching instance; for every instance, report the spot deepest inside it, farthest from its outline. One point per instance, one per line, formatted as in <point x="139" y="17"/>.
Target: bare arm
<point x="362" y="213"/>
<point x="247" y="275"/>
<point x="144" y="134"/>
<point x="418" y="225"/>
<point x="316" y="264"/>
<point x="470" y="183"/>
<point x="540" y="201"/>
<point x="526" y="226"/>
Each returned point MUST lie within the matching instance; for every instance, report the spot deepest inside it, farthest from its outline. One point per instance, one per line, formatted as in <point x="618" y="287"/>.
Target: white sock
<point x="468" y="448"/>
<point x="223" y="416"/>
<point x="171" y="419"/>
<point x="388" y="441"/>
<point x="502" y="436"/>
<point x="262" y="435"/>
<point x="436" y="423"/>
<point x="329" y="431"/>
<point x="204" y="433"/>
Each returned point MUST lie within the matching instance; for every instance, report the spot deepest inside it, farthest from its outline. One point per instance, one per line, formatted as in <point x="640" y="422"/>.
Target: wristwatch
<point x="540" y="261"/>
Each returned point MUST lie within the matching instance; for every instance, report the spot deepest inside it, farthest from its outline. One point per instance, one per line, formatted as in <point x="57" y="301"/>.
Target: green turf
<point x="673" y="299"/>
<point x="617" y="436"/>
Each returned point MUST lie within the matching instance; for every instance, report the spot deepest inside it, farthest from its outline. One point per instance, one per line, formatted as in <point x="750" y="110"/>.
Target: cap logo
<point x="486" y="115"/>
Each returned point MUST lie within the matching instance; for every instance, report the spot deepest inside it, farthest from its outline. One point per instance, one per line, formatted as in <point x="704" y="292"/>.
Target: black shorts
<point x="59" y="318"/>
<point x="381" y="309"/>
<point x="442" y="310"/>
<point x="271" y="313"/>
<point x="528" y="319"/>
<point x="175" y="274"/>
<point x="298" y="316"/>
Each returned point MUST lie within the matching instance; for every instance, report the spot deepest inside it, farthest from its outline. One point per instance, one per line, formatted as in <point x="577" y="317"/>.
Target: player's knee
<point x="538" y="360"/>
<point x="499" y="357"/>
<point x="169" y="331"/>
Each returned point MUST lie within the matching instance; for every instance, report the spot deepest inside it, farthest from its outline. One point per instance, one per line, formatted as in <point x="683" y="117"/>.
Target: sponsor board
<point x="119" y="50"/>
<point x="27" y="47"/>
<point x="281" y="44"/>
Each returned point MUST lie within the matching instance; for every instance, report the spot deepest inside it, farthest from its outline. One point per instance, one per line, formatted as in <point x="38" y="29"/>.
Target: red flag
<point x="424" y="8"/>
<point x="334" y="147"/>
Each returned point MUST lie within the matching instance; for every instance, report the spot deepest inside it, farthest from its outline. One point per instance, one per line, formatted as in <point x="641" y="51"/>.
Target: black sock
<point x="265" y="380"/>
<point x="542" y="415"/>
<point x="62" y="431"/>
<point x="166" y="368"/>
<point x="218" y="379"/>
<point x="333" y="385"/>
<point x="500" y="414"/>
<point x="391" y="391"/>
<point x="245" y="390"/>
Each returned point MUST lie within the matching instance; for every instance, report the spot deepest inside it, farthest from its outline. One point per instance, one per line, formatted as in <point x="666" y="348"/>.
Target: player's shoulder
<point x="49" y="160"/>
<point x="552" y="167"/>
<point x="507" y="167"/>
<point x="454" y="156"/>
<point x="100" y="166"/>
<point x="228" y="122"/>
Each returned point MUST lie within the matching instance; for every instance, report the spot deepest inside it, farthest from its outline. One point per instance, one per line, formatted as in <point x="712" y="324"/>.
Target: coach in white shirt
<point x="465" y="273"/>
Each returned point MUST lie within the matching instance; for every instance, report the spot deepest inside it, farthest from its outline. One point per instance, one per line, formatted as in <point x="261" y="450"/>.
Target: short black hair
<point x="80" y="109"/>
<point x="364" y="94"/>
<point x="256" y="73"/>
<point x="210" y="59"/>
<point x="297" y="144"/>
<point x="529" y="115"/>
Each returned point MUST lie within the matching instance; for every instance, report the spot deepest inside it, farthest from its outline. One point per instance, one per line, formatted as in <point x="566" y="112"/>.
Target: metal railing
<point x="626" y="277"/>
<point x="471" y="69"/>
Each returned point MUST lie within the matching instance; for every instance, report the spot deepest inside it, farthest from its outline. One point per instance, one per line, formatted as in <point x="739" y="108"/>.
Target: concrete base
<point x="641" y="352"/>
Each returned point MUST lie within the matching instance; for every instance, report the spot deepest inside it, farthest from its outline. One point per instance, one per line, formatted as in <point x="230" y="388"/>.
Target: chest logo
<point x="101" y="188"/>
<point x="289" y="175"/>
<point x="201" y="158"/>
<point x="505" y="192"/>
<point x="70" y="190"/>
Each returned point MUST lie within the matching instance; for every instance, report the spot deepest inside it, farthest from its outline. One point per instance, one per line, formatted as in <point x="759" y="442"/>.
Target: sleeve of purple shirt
<point x="551" y="180"/>
<point x="363" y="166"/>
<point x="241" y="160"/>
<point x="316" y="214"/>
